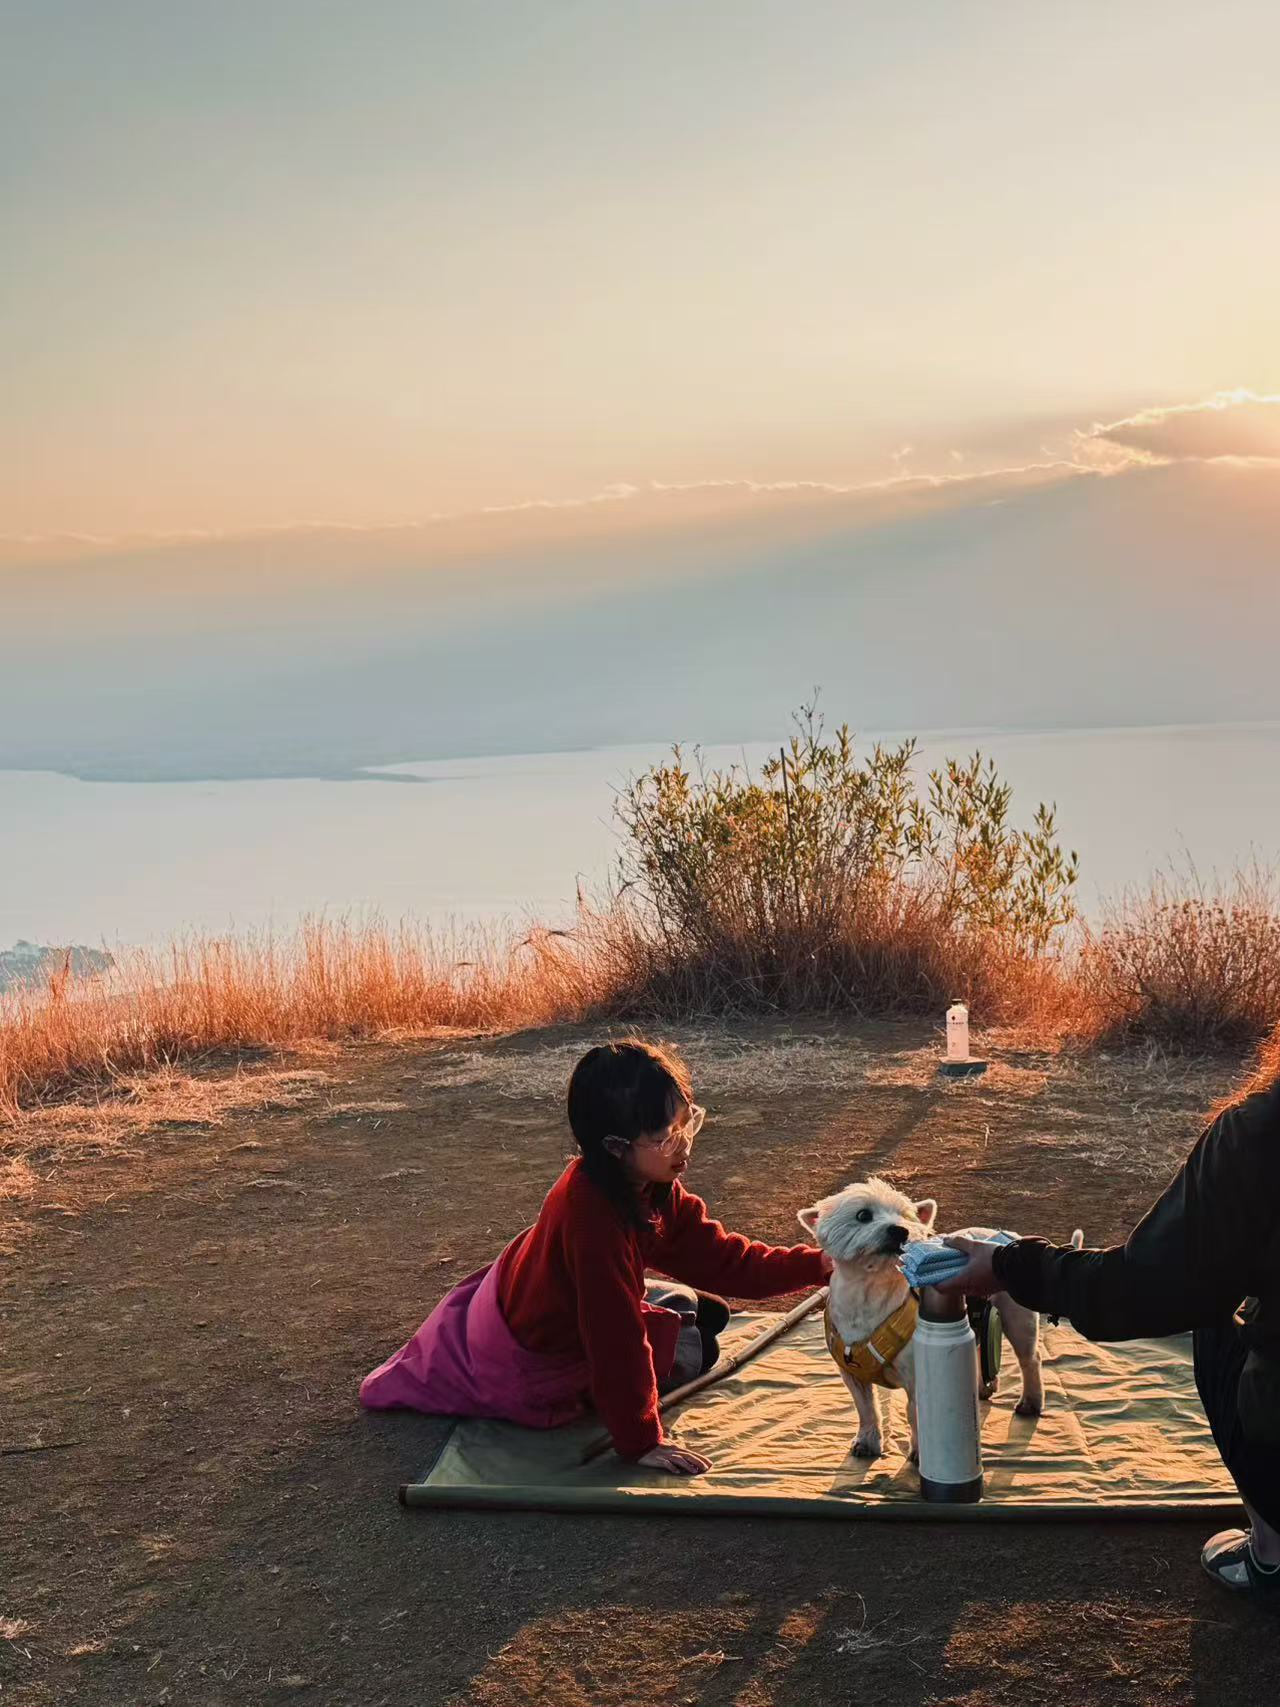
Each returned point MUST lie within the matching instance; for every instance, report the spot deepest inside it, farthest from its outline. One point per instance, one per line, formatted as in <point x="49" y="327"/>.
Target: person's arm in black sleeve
<point x="1180" y="1266"/>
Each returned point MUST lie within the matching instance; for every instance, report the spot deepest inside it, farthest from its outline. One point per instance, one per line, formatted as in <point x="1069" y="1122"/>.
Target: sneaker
<point x="1230" y="1559"/>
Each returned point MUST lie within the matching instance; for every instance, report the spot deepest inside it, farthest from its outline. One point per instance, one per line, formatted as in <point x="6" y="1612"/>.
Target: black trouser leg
<point x="1220" y="1351"/>
<point x="672" y="1295"/>
<point x="713" y="1319"/>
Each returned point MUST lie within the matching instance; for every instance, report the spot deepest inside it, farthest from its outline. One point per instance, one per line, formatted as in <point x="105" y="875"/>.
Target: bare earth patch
<point x="197" y="1512"/>
<point x="39" y="1144"/>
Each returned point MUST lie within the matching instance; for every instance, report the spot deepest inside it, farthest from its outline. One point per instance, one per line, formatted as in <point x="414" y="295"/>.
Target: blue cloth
<point x="928" y="1262"/>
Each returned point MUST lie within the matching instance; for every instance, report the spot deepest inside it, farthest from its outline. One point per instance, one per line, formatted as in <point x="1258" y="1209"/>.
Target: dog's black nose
<point x="897" y="1238"/>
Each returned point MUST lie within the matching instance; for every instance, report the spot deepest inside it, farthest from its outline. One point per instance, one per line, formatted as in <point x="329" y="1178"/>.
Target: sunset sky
<point x="296" y="262"/>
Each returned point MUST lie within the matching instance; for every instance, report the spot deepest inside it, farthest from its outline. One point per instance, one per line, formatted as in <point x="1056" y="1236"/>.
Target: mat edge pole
<point x="612" y="1502"/>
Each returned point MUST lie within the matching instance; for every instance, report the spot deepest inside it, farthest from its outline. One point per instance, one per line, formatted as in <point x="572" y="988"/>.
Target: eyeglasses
<point x="672" y="1141"/>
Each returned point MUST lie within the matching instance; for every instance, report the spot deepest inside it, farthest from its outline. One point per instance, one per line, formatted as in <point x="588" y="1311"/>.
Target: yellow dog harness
<point x="872" y="1360"/>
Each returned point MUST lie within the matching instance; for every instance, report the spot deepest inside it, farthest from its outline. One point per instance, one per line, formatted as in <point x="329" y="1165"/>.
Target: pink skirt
<point x="464" y="1361"/>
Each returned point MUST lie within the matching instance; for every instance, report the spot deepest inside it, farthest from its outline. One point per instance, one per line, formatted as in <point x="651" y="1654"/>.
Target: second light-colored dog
<point x="864" y="1229"/>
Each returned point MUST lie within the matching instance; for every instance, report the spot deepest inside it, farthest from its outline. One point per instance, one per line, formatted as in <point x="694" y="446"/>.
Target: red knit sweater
<point x="574" y="1281"/>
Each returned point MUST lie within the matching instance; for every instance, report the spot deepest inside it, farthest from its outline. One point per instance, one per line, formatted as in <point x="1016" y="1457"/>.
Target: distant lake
<point x="487" y="839"/>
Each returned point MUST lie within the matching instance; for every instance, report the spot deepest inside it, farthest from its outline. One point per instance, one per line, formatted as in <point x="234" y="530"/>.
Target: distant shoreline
<point x="411" y="770"/>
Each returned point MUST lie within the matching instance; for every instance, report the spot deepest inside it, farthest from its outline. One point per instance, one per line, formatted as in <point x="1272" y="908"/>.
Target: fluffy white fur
<point x="863" y="1229"/>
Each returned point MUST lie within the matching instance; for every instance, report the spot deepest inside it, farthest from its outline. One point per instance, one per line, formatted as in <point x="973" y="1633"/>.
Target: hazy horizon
<point x="1067" y="601"/>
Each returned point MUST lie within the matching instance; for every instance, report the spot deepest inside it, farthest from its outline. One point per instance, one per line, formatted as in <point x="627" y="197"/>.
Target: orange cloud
<point x="1236" y="424"/>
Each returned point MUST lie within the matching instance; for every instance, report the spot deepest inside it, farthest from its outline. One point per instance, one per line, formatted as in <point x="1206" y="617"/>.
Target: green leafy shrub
<point x="829" y="880"/>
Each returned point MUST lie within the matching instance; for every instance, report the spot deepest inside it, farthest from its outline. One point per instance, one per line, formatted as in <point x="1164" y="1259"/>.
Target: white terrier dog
<point x="863" y="1229"/>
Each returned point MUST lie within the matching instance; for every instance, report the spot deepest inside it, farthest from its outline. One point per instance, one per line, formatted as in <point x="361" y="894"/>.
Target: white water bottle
<point x="957" y="1032"/>
<point x="947" y="1420"/>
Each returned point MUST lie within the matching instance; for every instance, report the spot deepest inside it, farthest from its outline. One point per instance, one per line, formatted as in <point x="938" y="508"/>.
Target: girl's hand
<point x="676" y="1460"/>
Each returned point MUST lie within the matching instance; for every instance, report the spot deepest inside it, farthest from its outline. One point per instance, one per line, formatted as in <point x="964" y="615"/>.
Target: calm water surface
<point x="504" y="838"/>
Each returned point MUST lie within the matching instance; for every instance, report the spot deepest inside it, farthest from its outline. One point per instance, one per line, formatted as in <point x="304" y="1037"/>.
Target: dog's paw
<point x="988" y="1389"/>
<point x="1027" y="1407"/>
<point x="868" y="1445"/>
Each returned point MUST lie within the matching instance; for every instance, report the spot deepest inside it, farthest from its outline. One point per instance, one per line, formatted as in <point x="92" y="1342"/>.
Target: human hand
<point x="676" y="1460"/>
<point x="978" y="1280"/>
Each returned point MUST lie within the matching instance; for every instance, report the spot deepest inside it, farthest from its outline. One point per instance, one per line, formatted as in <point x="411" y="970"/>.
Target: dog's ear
<point x="808" y="1218"/>
<point x="926" y="1209"/>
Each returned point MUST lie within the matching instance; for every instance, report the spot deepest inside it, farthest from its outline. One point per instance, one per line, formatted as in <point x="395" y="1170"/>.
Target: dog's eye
<point x="865" y="1215"/>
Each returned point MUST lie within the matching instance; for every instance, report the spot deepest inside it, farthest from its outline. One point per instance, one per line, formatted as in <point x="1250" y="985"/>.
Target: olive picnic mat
<point x="1123" y="1435"/>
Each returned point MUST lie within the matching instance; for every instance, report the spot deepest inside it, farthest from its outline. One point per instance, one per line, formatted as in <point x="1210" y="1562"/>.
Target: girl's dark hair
<point x="621" y="1090"/>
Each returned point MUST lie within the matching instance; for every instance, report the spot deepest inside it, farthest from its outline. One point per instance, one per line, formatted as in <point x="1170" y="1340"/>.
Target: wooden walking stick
<point x="723" y="1366"/>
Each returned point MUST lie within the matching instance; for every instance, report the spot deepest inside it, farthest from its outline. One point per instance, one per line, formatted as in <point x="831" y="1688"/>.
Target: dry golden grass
<point x="894" y="951"/>
<point x="1186" y="965"/>
<point x="333" y="980"/>
<point x="1167" y="971"/>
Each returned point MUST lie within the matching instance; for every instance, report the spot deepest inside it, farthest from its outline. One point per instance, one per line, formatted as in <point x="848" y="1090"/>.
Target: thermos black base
<point x="962" y="1069"/>
<point x="952" y="1493"/>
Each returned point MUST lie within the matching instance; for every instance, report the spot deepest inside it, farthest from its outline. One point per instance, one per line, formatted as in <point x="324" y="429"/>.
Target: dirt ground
<point x="189" y="1305"/>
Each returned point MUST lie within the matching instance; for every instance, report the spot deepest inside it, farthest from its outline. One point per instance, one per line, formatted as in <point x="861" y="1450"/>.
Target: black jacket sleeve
<point x="1198" y="1251"/>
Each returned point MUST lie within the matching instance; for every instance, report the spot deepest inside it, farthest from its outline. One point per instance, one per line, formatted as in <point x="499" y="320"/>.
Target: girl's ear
<point x="808" y="1218"/>
<point x="926" y="1210"/>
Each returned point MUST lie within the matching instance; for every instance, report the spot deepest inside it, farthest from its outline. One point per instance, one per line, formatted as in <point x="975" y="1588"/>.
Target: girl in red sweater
<point x="565" y="1316"/>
